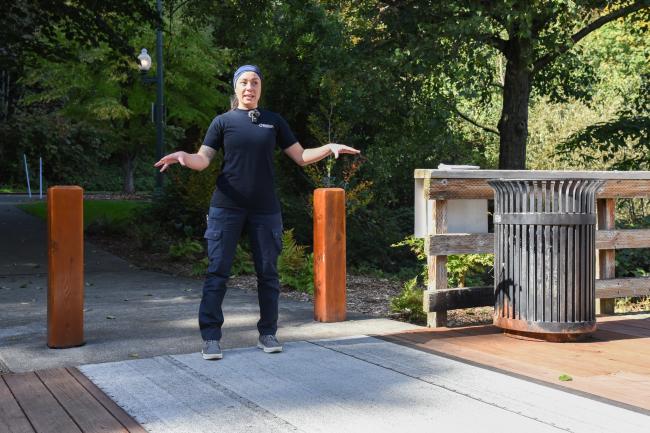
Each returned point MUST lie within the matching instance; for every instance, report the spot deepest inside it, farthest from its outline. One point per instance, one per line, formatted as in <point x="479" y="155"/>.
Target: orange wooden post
<point x="329" y="255"/>
<point x="65" y="277"/>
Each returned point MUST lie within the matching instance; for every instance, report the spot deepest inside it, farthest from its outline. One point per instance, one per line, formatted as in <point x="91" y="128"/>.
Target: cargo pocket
<point x="215" y="249"/>
<point x="213" y="234"/>
<point x="277" y="240"/>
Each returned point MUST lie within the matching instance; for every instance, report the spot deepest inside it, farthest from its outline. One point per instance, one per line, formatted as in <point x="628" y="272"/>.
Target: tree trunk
<point x="129" y="169"/>
<point x="513" y="125"/>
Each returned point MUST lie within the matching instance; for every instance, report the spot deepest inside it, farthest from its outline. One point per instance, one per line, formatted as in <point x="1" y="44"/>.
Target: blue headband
<point x="246" y="68"/>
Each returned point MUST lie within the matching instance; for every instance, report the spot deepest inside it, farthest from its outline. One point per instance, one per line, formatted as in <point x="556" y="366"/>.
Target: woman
<point x="245" y="198"/>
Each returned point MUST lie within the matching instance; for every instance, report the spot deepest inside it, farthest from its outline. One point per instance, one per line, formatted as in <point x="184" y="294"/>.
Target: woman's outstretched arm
<point x="304" y="157"/>
<point x="196" y="161"/>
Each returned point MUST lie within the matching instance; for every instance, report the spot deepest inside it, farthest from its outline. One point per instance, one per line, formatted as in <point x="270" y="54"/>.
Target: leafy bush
<point x="200" y="268"/>
<point x="632" y="263"/>
<point x="186" y="198"/>
<point x="71" y="151"/>
<point x="463" y="269"/>
<point x="632" y="304"/>
<point x="187" y="249"/>
<point x="632" y="214"/>
<point x="469" y="270"/>
<point x="408" y="304"/>
<point x="108" y="226"/>
<point x="243" y="262"/>
<point x="416" y="246"/>
<point x="146" y="236"/>
<point x="295" y="266"/>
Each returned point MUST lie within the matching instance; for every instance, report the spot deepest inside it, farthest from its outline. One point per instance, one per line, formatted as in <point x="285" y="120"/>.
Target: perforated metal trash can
<point x="545" y="257"/>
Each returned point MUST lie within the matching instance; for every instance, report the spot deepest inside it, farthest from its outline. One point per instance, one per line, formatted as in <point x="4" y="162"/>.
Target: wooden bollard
<point x="329" y="255"/>
<point x="65" y="277"/>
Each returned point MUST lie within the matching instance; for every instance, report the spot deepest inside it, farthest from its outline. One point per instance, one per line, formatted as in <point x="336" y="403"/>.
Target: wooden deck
<point x="59" y="401"/>
<point x="613" y="365"/>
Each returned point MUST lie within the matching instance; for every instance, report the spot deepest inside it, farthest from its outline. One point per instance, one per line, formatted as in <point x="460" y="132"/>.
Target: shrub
<point x="632" y="304"/>
<point x="472" y="269"/>
<point x="187" y="249"/>
<point x="469" y="270"/>
<point x="462" y="270"/>
<point x="200" y="268"/>
<point x="408" y="304"/>
<point x="243" y="262"/>
<point x="295" y="266"/>
<point x="186" y="199"/>
<point x="146" y="236"/>
<point x="108" y="227"/>
<point x="416" y="245"/>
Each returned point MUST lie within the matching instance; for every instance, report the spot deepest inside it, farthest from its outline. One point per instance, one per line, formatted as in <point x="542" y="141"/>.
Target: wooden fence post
<point x="65" y="276"/>
<point x="437" y="265"/>
<point x="606" y="259"/>
<point x="329" y="255"/>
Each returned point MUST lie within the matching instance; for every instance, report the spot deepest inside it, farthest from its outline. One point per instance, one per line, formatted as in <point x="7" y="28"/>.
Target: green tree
<point x="323" y="77"/>
<point x="34" y="28"/>
<point x="623" y="141"/>
<point x="530" y="37"/>
<point x="103" y="88"/>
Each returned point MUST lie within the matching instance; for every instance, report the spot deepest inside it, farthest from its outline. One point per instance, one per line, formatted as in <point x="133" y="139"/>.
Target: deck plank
<point x="41" y="408"/>
<point x="124" y="418"/>
<point x="590" y="358"/>
<point x="12" y="417"/>
<point x="613" y="365"/>
<point x="87" y="412"/>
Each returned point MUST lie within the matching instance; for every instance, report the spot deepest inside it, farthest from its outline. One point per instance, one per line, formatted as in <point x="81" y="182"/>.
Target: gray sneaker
<point x="211" y="350"/>
<point x="269" y="344"/>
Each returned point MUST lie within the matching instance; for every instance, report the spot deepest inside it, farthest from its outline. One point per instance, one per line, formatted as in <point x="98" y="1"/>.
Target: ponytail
<point x="234" y="102"/>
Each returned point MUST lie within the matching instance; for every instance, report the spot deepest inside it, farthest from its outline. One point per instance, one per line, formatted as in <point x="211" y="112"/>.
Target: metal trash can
<point x="544" y="262"/>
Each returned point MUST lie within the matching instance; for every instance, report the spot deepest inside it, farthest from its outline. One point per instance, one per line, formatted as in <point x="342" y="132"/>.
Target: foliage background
<point x="406" y="91"/>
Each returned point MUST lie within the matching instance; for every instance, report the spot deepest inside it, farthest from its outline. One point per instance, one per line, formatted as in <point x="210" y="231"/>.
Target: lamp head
<point x="144" y="61"/>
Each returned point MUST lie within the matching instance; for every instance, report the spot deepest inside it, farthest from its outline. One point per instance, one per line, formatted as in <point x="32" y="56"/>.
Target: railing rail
<point x="439" y="186"/>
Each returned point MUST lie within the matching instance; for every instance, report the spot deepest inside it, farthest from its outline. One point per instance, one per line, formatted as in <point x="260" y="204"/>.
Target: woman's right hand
<point x="172" y="158"/>
<point x="336" y="149"/>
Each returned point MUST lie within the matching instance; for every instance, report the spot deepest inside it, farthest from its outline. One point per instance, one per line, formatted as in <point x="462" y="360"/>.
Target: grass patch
<point x="115" y="211"/>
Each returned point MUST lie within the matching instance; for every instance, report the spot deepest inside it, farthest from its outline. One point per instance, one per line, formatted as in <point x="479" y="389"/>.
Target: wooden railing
<point x="443" y="185"/>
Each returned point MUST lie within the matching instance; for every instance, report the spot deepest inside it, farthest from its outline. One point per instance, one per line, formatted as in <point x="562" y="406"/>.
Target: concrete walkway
<point x="360" y="384"/>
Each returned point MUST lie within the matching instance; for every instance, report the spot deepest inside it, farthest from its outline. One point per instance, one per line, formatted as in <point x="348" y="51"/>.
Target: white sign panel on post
<point x="463" y="216"/>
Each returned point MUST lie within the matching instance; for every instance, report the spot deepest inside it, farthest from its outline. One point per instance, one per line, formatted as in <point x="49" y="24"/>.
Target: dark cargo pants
<point x="224" y="229"/>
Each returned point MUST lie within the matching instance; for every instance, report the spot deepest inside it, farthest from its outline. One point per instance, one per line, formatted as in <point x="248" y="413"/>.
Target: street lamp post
<point x="144" y="64"/>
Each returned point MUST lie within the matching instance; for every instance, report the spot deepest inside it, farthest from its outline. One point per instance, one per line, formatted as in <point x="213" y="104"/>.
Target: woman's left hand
<point x="336" y="149"/>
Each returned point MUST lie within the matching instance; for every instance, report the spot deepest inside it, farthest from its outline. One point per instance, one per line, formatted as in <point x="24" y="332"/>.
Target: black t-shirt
<point x="247" y="178"/>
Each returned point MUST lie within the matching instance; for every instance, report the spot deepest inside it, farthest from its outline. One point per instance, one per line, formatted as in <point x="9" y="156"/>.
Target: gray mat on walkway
<point x="346" y="385"/>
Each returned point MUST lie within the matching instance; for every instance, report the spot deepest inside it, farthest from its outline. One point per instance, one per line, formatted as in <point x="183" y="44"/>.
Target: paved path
<point x="129" y="313"/>
<point x="360" y="384"/>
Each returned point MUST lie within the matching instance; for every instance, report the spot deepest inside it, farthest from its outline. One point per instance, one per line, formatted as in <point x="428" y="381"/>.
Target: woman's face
<point x="248" y="90"/>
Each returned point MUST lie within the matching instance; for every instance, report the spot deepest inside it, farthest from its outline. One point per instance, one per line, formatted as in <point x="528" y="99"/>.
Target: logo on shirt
<point x="266" y="125"/>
